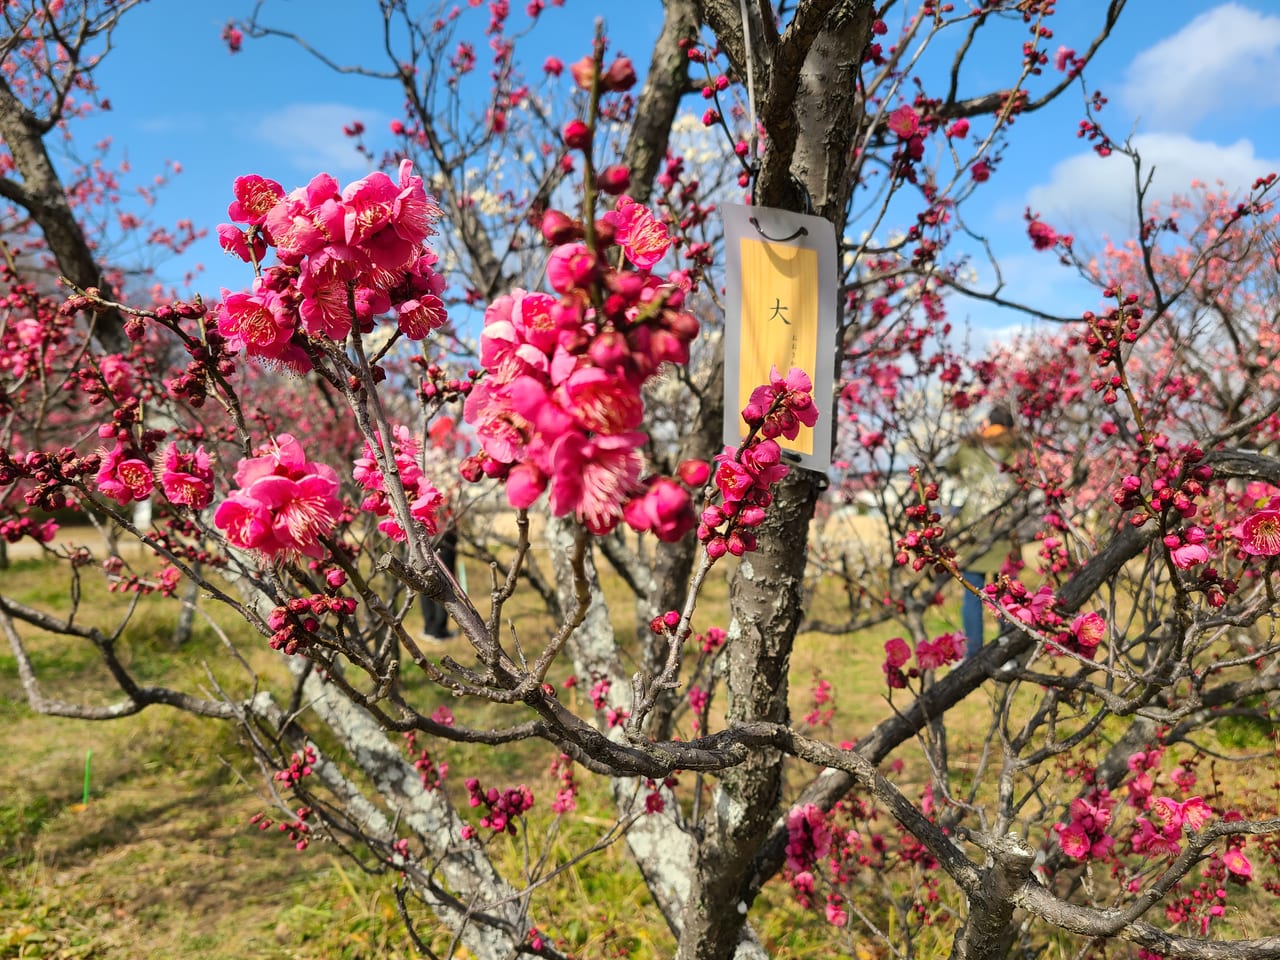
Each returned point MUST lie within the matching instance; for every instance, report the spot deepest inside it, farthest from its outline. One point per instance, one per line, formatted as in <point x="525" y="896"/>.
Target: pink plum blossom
<point x="259" y="322"/>
<point x="307" y="219"/>
<point x="525" y="484"/>
<point x="1089" y="630"/>
<point x="1155" y="842"/>
<point x="694" y="472"/>
<point x="236" y="242"/>
<point x="941" y="651"/>
<point x="124" y="476"/>
<point x="1042" y="235"/>
<point x="1030" y="610"/>
<point x="664" y="509"/>
<point x="425" y="501"/>
<point x="119" y="375"/>
<point x="1259" y="534"/>
<point x="808" y="837"/>
<point x="571" y="265"/>
<point x="284" y="503"/>
<point x="254" y="197"/>
<point x="783" y="405"/>
<point x="417" y="318"/>
<point x="1189" y="550"/>
<point x="1193" y="813"/>
<point x="904" y="121"/>
<point x="593" y="478"/>
<point x="1238" y="864"/>
<point x="187" y="477"/>
<point x="896" y="652"/>
<point x="1085" y="837"/>
<point x="643" y="239"/>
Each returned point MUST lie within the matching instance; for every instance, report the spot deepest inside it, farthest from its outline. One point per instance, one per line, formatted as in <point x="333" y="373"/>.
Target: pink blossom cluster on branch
<point x="744" y="476"/>
<point x="930" y="655"/>
<point x="561" y="403"/>
<point x="426" y="499"/>
<point x="504" y="806"/>
<point x="358" y="249"/>
<point x="284" y="503"/>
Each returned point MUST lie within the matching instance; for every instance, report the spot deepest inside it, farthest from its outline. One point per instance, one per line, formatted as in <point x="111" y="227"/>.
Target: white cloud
<point x="1091" y="196"/>
<point x="310" y="134"/>
<point x="1226" y="58"/>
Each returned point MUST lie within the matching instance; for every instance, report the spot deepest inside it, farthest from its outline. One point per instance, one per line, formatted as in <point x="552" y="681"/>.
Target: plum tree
<point x="1142" y="484"/>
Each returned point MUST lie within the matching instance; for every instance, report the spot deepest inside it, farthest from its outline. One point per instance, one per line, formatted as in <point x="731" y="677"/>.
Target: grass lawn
<point x="162" y="861"/>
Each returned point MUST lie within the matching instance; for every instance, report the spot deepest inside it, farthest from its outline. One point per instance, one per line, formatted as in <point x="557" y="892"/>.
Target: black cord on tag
<point x="800" y="232"/>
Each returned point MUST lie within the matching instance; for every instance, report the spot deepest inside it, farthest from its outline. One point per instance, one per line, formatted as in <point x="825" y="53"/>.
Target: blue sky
<point x="1197" y="83"/>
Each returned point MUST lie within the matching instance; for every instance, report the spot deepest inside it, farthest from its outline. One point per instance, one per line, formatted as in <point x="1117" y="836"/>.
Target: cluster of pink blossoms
<point x="187" y="477"/>
<point x="13" y="530"/>
<point x="294" y="624"/>
<point x="361" y="245"/>
<point x="125" y="472"/>
<point x="560" y="405"/>
<point x="744" y="476"/>
<point x="1191" y="814"/>
<point x="1187" y="548"/>
<point x="930" y="655"/>
<point x="809" y="839"/>
<point x="430" y="772"/>
<point x="566" y="800"/>
<point x="1085" y="836"/>
<point x="503" y="806"/>
<point x="424" y="499"/>
<point x="285" y="503"/>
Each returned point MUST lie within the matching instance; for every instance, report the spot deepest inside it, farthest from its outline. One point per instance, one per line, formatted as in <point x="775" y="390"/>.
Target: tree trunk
<point x="805" y="167"/>
<point x="766" y="610"/>
<point x="42" y="195"/>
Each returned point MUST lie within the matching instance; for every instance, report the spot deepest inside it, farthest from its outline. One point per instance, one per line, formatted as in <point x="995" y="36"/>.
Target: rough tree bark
<point x="805" y="167"/>
<point x="42" y="194"/>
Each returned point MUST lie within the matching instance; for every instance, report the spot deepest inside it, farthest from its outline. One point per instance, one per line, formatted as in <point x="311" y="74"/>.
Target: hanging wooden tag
<point x="780" y="310"/>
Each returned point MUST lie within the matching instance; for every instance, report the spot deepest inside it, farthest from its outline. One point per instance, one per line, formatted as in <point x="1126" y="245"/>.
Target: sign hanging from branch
<point x="780" y="310"/>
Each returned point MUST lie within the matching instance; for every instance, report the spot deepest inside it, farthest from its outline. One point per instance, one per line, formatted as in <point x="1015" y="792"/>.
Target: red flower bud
<point x="694" y="472"/>
<point x="606" y="231"/>
<point x="577" y="135"/>
<point x="620" y="76"/>
<point x="609" y="350"/>
<point x="614" y="179"/>
<point x="559" y="228"/>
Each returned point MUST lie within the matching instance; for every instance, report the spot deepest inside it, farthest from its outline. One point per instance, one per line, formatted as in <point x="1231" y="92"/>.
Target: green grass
<point x="163" y="862"/>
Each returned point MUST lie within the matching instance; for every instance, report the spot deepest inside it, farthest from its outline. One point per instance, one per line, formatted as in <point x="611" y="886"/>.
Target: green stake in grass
<point x="88" y="757"/>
